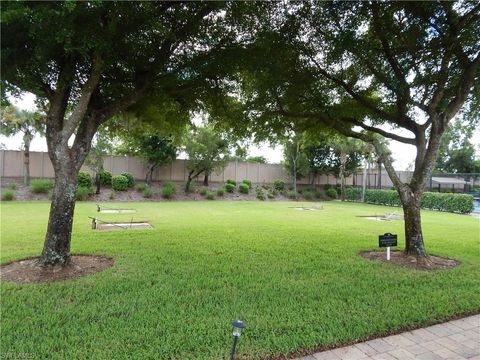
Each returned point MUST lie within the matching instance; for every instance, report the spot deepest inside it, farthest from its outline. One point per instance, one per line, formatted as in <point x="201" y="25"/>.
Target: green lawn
<point x="293" y="276"/>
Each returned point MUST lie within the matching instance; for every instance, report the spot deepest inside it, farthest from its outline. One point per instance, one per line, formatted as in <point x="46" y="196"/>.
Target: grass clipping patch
<point x="30" y="271"/>
<point x="400" y="258"/>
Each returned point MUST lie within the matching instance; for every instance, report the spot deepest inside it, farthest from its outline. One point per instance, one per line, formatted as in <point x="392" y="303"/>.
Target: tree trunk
<point x="149" y="176"/>
<point x="27" y="139"/>
<point x="97" y="182"/>
<point x="56" y="249"/>
<point x="205" y="180"/>
<point x="379" y="175"/>
<point x="414" y="245"/>
<point x="343" y="161"/>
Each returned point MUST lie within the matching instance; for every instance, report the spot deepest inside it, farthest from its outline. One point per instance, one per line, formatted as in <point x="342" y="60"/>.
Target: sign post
<point x="387" y="240"/>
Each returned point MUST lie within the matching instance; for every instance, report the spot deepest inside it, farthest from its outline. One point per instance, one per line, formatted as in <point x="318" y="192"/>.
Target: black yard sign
<point x="387" y="240"/>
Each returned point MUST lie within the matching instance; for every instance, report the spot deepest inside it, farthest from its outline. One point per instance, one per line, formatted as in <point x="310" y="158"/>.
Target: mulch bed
<point x="399" y="258"/>
<point x="30" y="271"/>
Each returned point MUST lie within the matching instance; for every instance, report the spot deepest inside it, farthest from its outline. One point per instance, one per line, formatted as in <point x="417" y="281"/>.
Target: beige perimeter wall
<point x="11" y="166"/>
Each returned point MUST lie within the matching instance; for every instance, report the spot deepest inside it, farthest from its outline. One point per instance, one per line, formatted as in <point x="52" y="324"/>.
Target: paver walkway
<point x="457" y="339"/>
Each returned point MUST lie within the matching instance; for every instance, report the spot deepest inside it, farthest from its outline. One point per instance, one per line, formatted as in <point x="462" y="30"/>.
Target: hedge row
<point x="459" y="203"/>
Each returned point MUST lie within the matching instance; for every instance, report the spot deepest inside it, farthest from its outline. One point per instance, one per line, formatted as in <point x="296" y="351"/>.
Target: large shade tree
<point x="89" y="61"/>
<point x="401" y="70"/>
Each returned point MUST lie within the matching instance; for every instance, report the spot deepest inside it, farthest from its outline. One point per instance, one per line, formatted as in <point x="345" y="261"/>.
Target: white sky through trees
<point x="403" y="154"/>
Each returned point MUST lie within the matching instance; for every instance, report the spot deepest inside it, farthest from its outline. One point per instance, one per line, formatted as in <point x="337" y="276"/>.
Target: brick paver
<point x="457" y="339"/>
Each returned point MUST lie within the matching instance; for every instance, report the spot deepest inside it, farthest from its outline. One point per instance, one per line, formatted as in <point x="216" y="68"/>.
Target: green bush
<point x="244" y="188"/>
<point x="326" y="187"/>
<point x="119" y="183"/>
<point x="331" y="193"/>
<point x="12" y="186"/>
<point x="130" y="178"/>
<point x="203" y="191"/>
<point x="230" y="188"/>
<point x="308" y="195"/>
<point x="248" y="182"/>
<point x="8" y="195"/>
<point x="210" y="195"/>
<point x="105" y="178"/>
<point x="292" y="194"/>
<point x="382" y="197"/>
<point x="260" y="194"/>
<point x="338" y="189"/>
<point x="353" y="194"/>
<point x="233" y="182"/>
<point x="141" y="187"/>
<point x="41" y="186"/>
<point x="84" y="179"/>
<point x="270" y="195"/>
<point x="319" y="194"/>
<point x="220" y="191"/>
<point x="168" y="190"/>
<point x="279" y="185"/>
<point x="83" y="193"/>
<point x="147" y="192"/>
<point x="450" y="202"/>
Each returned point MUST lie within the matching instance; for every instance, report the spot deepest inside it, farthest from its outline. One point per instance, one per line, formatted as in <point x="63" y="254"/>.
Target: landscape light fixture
<point x="238" y="325"/>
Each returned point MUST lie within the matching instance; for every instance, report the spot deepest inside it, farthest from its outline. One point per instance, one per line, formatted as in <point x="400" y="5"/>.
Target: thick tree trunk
<point x="56" y="249"/>
<point x="414" y="245"/>
<point x="205" y="180"/>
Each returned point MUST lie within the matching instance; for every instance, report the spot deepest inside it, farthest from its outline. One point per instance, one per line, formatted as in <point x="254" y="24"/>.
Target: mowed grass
<point x="293" y="276"/>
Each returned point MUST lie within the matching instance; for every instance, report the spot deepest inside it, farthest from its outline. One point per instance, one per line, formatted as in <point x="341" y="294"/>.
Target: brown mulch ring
<point x="30" y="271"/>
<point x="399" y="258"/>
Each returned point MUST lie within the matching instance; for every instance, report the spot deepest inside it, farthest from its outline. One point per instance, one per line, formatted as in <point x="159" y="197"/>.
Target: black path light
<point x="238" y="325"/>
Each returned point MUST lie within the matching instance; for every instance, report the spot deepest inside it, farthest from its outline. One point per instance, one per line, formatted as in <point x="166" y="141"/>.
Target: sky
<point x="403" y="154"/>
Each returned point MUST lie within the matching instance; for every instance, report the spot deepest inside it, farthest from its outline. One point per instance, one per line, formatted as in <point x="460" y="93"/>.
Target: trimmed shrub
<point x="210" y="195"/>
<point x="105" y="178"/>
<point x="244" y="188"/>
<point x="230" y="188"/>
<point x="233" y="182"/>
<point x="141" y="187"/>
<point x="319" y="194"/>
<point x="130" y="178"/>
<point x="248" y="182"/>
<point x="327" y="186"/>
<point x="308" y="195"/>
<point x="331" y="193"/>
<point x="260" y="194"/>
<point x="353" y="194"/>
<point x="84" y="179"/>
<point x="203" y="191"/>
<point x="279" y="185"/>
<point x="382" y="197"/>
<point x="8" y="195"/>
<point x="41" y="186"/>
<point x="83" y="193"/>
<point x="119" y="183"/>
<point x="168" y="190"/>
<point x="292" y="194"/>
<point x="450" y="202"/>
<point x="220" y="191"/>
<point x="147" y="192"/>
